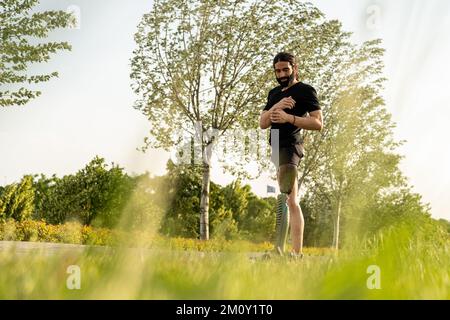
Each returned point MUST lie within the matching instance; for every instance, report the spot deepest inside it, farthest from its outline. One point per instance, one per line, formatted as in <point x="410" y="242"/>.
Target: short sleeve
<point x="311" y="100"/>
<point x="268" y="104"/>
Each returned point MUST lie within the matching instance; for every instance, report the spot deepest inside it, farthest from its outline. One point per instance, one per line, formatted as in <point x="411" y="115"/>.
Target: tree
<point x="445" y="224"/>
<point x="260" y="223"/>
<point x="103" y="192"/>
<point x="18" y="30"/>
<point x="393" y="208"/>
<point x="95" y="195"/>
<point x="43" y="186"/>
<point x="200" y="68"/>
<point x="357" y="159"/>
<point x="178" y="194"/>
<point x="317" y="212"/>
<point x="17" y="200"/>
<point x="141" y="211"/>
<point x="237" y="198"/>
<point x="235" y="211"/>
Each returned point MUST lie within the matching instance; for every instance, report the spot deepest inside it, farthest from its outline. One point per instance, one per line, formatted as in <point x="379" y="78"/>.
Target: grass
<point x="410" y="268"/>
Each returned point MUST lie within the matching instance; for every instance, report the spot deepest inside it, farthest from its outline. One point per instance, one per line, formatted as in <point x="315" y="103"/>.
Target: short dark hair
<point x="286" y="57"/>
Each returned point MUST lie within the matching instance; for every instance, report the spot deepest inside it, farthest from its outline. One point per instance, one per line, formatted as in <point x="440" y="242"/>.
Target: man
<point x="285" y="112"/>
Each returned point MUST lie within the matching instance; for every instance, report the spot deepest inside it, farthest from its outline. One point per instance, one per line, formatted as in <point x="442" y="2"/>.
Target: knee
<point x="292" y="201"/>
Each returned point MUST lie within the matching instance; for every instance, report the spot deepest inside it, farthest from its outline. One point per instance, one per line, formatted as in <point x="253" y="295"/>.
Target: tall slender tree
<point x="203" y="68"/>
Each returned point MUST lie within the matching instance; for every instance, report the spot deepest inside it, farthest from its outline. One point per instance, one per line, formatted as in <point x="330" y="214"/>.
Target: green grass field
<point x="409" y="268"/>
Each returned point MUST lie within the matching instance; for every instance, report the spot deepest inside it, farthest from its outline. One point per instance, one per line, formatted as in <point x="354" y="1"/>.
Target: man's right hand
<point x="285" y="103"/>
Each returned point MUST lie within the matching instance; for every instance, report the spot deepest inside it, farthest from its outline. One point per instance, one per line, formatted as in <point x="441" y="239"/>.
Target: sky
<point x="88" y="110"/>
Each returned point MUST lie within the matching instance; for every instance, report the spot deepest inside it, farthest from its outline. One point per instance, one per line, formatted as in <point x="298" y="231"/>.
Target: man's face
<point x="284" y="73"/>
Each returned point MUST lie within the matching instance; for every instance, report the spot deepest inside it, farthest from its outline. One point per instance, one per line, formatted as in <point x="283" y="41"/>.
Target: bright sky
<point x="88" y="110"/>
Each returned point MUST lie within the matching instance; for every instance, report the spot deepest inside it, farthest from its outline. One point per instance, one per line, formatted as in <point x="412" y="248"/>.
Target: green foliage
<point x="224" y="226"/>
<point x="142" y="211"/>
<point x="402" y="206"/>
<point x="95" y="195"/>
<point x="319" y="220"/>
<point x="181" y="190"/>
<point x="72" y="232"/>
<point x="106" y="197"/>
<point x="100" y="196"/>
<point x="235" y="211"/>
<point x="236" y="197"/>
<point x="232" y="43"/>
<point x="377" y="213"/>
<point x="259" y="224"/>
<point x="17" y="200"/>
<point x="19" y="29"/>
<point x="75" y="233"/>
<point x="445" y="224"/>
<point x="353" y="161"/>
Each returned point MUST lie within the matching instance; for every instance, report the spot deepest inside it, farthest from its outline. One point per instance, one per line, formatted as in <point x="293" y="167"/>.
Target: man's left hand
<point x="279" y="116"/>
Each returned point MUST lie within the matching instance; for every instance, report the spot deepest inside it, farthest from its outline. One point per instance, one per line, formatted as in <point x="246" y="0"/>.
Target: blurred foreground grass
<point x="411" y="267"/>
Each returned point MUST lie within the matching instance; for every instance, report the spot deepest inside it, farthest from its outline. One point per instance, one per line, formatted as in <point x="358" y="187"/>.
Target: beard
<point x="286" y="81"/>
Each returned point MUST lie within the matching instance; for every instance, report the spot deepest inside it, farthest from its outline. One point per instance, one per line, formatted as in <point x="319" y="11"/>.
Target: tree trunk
<point x="336" y="226"/>
<point x="204" y="201"/>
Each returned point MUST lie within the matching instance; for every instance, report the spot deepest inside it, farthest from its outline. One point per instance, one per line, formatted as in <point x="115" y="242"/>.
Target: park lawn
<point x="407" y="270"/>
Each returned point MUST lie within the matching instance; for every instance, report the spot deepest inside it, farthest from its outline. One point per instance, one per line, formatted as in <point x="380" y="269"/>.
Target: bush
<point x="95" y="194"/>
<point x="225" y="227"/>
<point x="71" y="232"/>
<point x="17" y="200"/>
<point x="8" y="230"/>
<point x="74" y="233"/>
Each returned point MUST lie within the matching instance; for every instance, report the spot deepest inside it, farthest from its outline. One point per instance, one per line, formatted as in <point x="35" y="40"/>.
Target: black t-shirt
<point x="306" y="100"/>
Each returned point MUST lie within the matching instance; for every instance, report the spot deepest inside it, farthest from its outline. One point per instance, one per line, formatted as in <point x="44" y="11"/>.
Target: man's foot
<point x="277" y="252"/>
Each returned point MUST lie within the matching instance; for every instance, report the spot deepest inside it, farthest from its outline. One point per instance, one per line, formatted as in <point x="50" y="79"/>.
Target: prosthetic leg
<point x="286" y="178"/>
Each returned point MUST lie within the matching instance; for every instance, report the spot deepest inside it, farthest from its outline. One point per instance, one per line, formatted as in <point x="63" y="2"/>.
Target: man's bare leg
<point x="297" y="221"/>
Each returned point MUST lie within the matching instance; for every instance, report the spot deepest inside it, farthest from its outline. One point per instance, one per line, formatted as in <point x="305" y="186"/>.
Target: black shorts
<point x="288" y="155"/>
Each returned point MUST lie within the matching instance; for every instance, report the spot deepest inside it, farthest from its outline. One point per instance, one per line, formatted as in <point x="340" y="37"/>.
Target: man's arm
<point x="313" y="122"/>
<point x="265" y="118"/>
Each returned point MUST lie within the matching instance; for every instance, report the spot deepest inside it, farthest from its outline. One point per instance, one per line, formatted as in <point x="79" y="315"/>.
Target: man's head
<point x="286" y="68"/>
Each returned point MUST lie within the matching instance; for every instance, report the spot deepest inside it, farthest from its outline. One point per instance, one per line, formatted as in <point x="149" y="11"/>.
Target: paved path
<point x="50" y="249"/>
<point x="46" y="248"/>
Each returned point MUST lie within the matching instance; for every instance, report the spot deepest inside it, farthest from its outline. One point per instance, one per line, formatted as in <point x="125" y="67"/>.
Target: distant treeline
<point x="102" y="195"/>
